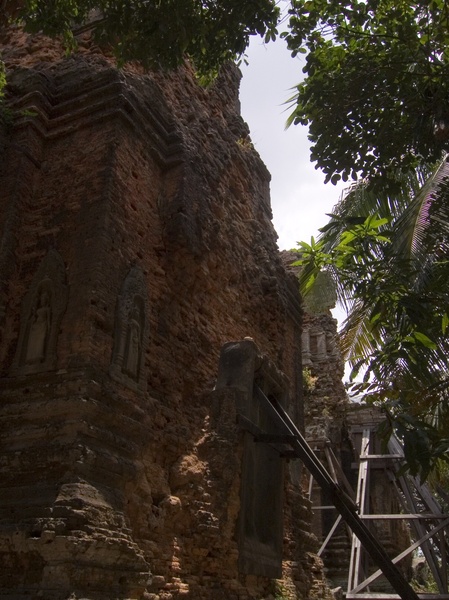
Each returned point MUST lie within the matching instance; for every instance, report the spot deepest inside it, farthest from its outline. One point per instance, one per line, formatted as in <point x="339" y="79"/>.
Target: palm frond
<point x="356" y="334"/>
<point x="428" y="206"/>
<point x="361" y="200"/>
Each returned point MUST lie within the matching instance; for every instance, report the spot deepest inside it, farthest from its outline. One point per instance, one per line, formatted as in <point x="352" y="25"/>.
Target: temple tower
<point x="136" y="240"/>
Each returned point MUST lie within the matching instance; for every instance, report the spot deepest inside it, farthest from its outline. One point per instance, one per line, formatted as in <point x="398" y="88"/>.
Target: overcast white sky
<point x="299" y="198"/>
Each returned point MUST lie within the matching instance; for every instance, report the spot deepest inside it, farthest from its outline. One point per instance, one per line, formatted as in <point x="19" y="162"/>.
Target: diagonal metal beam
<point x="408" y="486"/>
<point x="329" y="535"/>
<point x="356" y="562"/>
<point x="400" y="556"/>
<point x="343" y="503"/>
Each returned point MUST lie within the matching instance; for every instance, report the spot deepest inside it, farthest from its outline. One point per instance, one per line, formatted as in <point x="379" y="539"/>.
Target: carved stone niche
<point x="318" y="345"/>
<point x="260" y="522"/>
<point x="131" y="332"/>
<point x="305" y="345"/>
<point x="41" y="314"/>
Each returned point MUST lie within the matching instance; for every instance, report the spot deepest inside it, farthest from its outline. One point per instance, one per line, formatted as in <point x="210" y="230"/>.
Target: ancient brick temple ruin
<point x="141" y="296"/>
<point x="144" y="312"/>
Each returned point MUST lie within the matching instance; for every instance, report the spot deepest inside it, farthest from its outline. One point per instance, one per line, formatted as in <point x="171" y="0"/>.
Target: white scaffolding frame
<point x="418" y="507"/>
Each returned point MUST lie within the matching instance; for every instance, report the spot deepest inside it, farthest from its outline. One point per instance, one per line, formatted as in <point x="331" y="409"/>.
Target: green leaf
<point x="403" y="48"/>
<point x="424" y="340"/>
<point x="444" y="323"/>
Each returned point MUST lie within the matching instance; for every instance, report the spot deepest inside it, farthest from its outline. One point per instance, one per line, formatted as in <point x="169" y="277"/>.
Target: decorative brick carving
<point x="305" y="348"/>
<point x="41" y="314"/>
<point x="131" y="332"/>
<point x="318" y="344"/>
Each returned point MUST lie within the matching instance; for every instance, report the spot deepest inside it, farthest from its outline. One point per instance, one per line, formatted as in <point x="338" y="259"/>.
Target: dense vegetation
<point x="389" y="257"/>
<point x="159" y="34"/>
<point x="376" y="90"/>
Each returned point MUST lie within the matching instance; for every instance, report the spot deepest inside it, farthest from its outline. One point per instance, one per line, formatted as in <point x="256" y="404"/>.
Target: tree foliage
<point x="157" y="33"/>
<point x="389" y="256"/>
<point x="376" y="91"/>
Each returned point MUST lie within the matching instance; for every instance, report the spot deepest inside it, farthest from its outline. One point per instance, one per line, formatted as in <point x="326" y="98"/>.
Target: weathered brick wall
<point x="132" y="204"/>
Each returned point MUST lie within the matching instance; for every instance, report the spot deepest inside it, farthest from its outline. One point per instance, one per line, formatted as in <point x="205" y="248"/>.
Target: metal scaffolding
<point x="418" y="507"/>
<point x="430" y="525"/>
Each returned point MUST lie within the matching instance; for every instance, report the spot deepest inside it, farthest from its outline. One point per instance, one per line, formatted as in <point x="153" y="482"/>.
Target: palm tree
<point x="389" y="257"/>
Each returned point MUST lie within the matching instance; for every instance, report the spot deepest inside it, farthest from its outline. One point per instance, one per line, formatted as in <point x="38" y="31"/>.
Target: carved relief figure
<point x="133" y="349"/>
<point x="130" y="332"/>
<point x="39" y="330"/>
<point x="42" y="310"/>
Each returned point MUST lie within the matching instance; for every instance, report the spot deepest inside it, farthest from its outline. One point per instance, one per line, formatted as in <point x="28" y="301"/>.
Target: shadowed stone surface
<point x="120" y="477"/>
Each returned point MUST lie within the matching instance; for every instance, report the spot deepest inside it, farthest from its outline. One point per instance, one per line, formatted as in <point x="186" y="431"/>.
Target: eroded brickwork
<point x="116" y="481"/>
